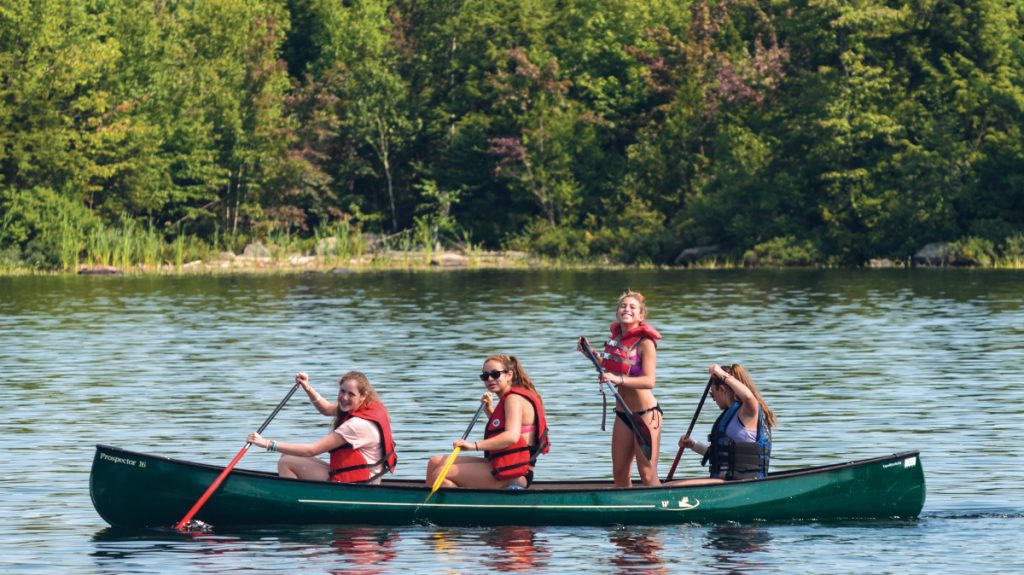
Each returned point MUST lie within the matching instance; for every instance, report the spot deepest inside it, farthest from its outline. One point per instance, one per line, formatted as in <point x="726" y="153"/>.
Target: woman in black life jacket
<point x="740" y="443"/>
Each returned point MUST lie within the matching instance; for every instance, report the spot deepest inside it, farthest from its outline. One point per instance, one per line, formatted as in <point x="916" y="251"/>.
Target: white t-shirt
<point x="364" y="436"/>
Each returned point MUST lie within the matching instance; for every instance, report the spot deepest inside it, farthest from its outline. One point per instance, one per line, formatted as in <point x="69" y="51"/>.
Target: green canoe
<point x="131" y="489"/>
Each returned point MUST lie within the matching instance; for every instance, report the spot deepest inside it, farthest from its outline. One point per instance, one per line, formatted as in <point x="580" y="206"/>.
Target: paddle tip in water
<point x="195" y="526"/>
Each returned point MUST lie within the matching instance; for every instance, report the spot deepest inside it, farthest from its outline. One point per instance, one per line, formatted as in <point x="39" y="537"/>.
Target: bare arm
<point x="515" y="407"/>
<point x="322" y="405"/>
<point x="748" y="402"/>
<point x="330" y="441"/>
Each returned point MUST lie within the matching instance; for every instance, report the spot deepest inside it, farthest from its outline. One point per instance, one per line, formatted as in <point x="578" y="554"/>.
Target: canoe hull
<point x="131" y="489"/>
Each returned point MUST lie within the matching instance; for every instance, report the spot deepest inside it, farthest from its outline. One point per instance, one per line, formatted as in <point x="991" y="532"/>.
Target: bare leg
<point x="467" y="471"/>
<point x="623" y="452"/>
<point x="434" y="467"/>
<point x="648" y="468"/>
<point x="303" y="468"/>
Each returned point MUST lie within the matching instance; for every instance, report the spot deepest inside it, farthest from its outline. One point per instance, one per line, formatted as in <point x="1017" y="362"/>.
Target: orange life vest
<point x="516" y="459"/>
<point x="348" y="465"/>
<point x="617" y="356"/>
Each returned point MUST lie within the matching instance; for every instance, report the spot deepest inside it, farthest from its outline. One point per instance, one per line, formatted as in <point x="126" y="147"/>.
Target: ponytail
<point x="519" y="376"/>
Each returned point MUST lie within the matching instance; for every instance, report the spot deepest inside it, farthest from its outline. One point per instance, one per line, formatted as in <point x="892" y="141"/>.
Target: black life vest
<point x="738" y="459"/>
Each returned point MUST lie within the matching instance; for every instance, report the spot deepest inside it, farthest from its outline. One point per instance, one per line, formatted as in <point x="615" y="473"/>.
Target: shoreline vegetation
<point x="123" y="253"/>
<point x="169" y="137"/>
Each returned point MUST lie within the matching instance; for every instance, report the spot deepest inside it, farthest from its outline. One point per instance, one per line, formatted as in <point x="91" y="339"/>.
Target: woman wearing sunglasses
<point x="516" y="433"/>
<point x="740" y="443"/>
<point x="629" y="362"/>
<point x="360" y="442"/>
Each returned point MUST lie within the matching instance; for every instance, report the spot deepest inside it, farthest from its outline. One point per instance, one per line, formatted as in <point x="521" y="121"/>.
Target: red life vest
<point x="348" y="465"/>
<point x="617" y="355"/>
<point x="516" y="459"/>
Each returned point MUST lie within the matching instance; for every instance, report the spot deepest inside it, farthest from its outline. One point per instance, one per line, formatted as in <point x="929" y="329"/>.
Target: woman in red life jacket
<point x="516" y="433"/>
<point x="629" y="362"/>
<point x="361" y="445"/>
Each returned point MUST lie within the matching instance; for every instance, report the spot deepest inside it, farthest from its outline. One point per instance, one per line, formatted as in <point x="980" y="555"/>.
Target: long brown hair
<point x="364" y="387"/>
<point x="737" y="371"/>
<point x="519" y="377"/>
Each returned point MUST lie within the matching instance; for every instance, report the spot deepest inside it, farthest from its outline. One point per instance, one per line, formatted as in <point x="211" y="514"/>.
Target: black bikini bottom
<point x="625" y="419"/>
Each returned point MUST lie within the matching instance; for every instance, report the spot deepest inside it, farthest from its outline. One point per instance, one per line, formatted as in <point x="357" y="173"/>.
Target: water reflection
<point x="503" y="549"/>
<point x="736" y="549"/>
<point x="518" y="549"/>
<point x="639" y="551"/>
<point x="367" y="549"/>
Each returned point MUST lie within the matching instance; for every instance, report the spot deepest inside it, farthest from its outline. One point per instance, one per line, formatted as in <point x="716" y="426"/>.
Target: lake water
<point x="854" y="363"/>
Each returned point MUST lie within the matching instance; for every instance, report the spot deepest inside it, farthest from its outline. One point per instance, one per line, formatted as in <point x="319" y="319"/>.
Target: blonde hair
<point x="737" y="371"/>
<point x="519" y="377"/>
<point x="364" y="387"/>
<point x="639" y="297"/>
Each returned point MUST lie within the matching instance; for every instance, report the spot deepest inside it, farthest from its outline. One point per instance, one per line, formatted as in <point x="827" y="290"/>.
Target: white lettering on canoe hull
<point x="906" y="463"/>
<point x="123" y="461"/>
<point x="683" y="503"/>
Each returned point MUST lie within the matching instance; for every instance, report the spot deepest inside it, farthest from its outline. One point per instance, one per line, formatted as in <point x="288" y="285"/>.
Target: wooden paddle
<point x="636" y="423"/>
<point x="455" y="453"/>
<point x="693" y="422"/>
<point x="223" y="474"/>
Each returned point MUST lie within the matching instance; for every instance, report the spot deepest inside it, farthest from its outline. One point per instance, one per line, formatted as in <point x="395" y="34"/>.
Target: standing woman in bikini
<point x="629" y="362"/>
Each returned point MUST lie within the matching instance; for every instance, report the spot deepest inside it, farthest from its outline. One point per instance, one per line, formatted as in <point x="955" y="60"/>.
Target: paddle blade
<point x="444" y="472"/>
<point x="643" y="436"/>
<point x="183" y="524"/>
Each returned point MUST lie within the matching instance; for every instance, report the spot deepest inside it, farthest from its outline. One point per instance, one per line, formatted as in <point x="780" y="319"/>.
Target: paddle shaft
<point x="672" y="470"/>
<point x="223" y="474"/>
<point x="455" y="453"/>
<point x="645" y="442"/>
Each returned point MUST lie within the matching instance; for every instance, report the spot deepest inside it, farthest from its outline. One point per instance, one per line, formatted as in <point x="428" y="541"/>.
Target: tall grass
<point x="338" y="243"/>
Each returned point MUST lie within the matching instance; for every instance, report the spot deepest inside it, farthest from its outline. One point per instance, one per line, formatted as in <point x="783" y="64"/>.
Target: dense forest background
<point x="796" y="132"/>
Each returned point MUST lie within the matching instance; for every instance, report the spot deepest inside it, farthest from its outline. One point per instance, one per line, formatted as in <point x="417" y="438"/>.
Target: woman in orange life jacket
<point x="360" y="442"/>
<point x="515" y="435"/>
<point x="629" y="362"/>
<point x="741" y="439"/>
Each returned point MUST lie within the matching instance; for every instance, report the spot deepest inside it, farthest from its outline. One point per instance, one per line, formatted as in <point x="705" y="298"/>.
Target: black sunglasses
<point x="493" y="374"/>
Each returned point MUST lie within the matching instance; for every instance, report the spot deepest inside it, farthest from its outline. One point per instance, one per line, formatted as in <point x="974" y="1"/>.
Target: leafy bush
<point x="973" y="251"/>
<point x="541" y="238"/>
<point x="1013" y="250"/>
<point x="48" y="227"/>
<point x="784" y="251"/>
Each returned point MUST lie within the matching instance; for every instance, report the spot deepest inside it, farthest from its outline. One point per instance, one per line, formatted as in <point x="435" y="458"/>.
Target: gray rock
<point x="256" y="250"/>
<point x="695" y="254"/>
<point x="933" y="254"/>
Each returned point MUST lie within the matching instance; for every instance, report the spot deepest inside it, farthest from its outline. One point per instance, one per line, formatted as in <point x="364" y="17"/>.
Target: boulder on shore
<point x="695" y="254"/>
<point x="933" y="254"/>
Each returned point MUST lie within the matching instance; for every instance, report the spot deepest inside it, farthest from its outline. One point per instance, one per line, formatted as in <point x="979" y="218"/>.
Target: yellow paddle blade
<point x="444" y="471"/>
